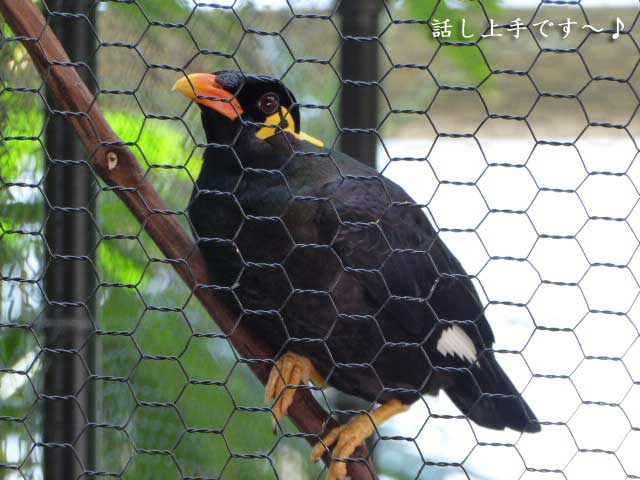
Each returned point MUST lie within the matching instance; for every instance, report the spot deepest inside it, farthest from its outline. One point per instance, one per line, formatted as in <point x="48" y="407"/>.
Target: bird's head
<point x="230" y="100"/>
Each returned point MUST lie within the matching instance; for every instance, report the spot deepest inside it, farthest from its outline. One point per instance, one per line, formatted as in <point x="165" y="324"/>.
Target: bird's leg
<point x="289" y="371"/>
<point x="346" y="438"/>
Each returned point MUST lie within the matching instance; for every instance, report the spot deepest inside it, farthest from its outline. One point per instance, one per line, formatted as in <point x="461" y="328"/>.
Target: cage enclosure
<point x="411" y="224"/>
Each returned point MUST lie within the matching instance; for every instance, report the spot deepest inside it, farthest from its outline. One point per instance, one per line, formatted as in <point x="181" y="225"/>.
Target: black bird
<point x="337" y="268"/>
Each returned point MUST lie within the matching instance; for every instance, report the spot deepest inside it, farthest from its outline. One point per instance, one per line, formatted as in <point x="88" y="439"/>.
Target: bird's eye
<point x="269" y="103"/>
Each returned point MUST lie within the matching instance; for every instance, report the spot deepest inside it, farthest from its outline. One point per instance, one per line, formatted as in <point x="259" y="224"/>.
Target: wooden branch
<point x="118" y="167"/>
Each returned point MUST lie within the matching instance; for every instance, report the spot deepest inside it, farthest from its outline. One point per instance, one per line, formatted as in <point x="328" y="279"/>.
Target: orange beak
<point x="204" y="89"/>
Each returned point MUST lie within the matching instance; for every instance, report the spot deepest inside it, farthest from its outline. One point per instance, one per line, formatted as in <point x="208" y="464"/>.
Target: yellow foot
<point x="289" y="371"/>
<point x="348" y="437"/>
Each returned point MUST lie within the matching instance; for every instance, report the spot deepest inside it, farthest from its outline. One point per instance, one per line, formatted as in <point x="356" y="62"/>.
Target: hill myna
<point x="337" y="268"/>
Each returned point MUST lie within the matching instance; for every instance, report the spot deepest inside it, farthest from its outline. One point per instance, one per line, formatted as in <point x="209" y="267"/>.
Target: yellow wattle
<point x="267" y="131"/>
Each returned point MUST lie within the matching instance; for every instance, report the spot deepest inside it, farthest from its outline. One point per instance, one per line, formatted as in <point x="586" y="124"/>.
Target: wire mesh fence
<point x="514" y="130"/>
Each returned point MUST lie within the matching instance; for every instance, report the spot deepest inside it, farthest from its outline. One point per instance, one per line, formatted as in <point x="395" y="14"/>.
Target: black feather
<point x="487" y="396"/>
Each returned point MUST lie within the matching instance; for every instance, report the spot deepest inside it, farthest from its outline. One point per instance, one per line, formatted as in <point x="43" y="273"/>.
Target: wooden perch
<point x="118" y="167"/>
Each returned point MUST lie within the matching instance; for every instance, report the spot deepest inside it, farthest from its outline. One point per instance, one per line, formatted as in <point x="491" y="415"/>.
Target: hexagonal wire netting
<point x="520" y="151"/>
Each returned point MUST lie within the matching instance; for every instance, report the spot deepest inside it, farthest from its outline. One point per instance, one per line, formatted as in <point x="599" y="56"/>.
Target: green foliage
<point x="474" y="12"/>
<point x="155" y="140"/>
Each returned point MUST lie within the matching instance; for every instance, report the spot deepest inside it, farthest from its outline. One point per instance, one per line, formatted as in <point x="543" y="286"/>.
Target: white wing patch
<point x="454" y="341"/>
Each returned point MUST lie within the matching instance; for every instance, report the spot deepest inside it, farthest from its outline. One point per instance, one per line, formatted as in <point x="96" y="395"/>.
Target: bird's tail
<point x="485" y="394"/>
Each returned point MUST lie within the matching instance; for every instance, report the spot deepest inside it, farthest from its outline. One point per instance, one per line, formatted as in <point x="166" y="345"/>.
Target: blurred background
<point x="522" y="152"/>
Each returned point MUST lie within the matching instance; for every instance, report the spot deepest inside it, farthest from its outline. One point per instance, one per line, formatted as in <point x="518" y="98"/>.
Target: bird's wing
<point x="389" y="242"/>
<point x="389" y="248"/>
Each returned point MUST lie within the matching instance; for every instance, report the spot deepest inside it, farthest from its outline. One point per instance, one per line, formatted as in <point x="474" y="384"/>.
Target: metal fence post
<point x="70" y="275"/>
<point x="358" y="108"/>
<point x="359" y="62"/>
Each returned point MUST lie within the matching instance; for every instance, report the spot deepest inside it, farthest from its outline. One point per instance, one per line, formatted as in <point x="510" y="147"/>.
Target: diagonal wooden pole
<point x="116" y="164"/>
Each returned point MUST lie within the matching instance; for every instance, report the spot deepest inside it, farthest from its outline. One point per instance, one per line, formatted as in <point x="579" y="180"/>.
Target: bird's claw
<point x="346" y="439"/>
<point x="289" y="371"/>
